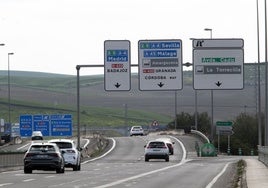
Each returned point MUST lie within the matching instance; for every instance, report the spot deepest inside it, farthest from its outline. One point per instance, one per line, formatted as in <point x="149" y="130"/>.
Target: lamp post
<point x="212" y="121"/>
<point x="9" y="119"/>
<point x="259" y="79"/>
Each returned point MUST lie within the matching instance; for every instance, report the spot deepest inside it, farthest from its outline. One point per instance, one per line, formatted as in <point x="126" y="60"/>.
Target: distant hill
<point x="33" y="74"/>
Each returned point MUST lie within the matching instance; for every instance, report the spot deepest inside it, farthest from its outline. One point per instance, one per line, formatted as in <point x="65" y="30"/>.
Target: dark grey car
<point x="43" y="156"/>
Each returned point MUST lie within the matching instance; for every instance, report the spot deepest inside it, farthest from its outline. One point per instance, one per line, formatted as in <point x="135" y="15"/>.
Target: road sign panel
<point x="26" y="125"/>
<point x="218" y="43"/>
<point x="61" y="125"/>
<point x="217" y="66"/>
<point x="49" y="125"/>
<point x="117" y="65"/>
<point x="224" y="123"/>
<point x="160" y="64"/>
<point x="41" y="123"/>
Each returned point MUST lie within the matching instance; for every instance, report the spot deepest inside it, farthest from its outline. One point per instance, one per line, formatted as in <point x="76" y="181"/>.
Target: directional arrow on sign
<point x="160" y="84"/>
<point x="218" y="83"/>
<point x="117" y="85"/>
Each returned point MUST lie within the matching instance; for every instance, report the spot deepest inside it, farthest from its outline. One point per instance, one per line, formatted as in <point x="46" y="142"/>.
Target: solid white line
<point x="27" y="180"/>
<point x="114" y="144"/>
<point x="151" y="172"/>
<point x="217" y="177"/>
<point x="87" y="142"/>
<point x="182" y="146"/>
<point x="139" y="176"/>
<point x="23" y="146"/>
<point x="5" y="184"/>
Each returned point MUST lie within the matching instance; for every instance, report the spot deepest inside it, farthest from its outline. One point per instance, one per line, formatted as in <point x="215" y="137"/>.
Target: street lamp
<point x="210" y="30"/>
<point x="9" y="120"/>
<point x="212" y="127"/>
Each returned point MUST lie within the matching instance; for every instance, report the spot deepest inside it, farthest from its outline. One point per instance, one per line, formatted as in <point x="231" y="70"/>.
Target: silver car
<point x="71" y="155"/>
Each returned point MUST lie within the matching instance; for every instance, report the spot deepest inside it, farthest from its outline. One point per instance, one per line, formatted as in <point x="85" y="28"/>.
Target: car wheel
<point x="27" y="171"/>
<point x="60" y="170"/>
<point x="146" y="159"/>
<point x="167" y="158"/>
<point x="76" y="167"/>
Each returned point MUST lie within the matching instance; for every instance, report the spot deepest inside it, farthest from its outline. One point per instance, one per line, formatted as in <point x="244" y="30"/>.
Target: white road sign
<point x="218" y="64"/>
<point x="160" y="64"/>
<point x="117" y="65"/>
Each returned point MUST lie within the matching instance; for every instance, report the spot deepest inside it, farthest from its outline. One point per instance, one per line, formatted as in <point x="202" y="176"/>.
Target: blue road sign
<point x="61" y="125"/>
<point x="26" y="125"/>
<point x="41" y="123"/>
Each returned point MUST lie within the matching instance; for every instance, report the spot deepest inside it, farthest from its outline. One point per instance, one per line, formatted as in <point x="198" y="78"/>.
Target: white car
<point x="37" y="135"/>
<point x="156" y="149"/>
<point x="71" y="155"/>
<point x="136" y="130"/>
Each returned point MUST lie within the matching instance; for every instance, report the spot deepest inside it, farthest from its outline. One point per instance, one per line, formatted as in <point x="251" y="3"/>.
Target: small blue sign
<point x="41" y="123"/>
<point x="26" y="125"/>
<point x="61" y="125"/>
<point x="117" y="55"/>
<point x="160" y="45"/>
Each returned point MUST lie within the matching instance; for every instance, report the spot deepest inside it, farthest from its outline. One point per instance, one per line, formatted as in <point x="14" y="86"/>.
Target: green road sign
<point x="208" y="150"/>
<point x="224" y="123"/>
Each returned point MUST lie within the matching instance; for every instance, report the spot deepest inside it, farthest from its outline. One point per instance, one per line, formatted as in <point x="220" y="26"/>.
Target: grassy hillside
<point x="45" y="93"/>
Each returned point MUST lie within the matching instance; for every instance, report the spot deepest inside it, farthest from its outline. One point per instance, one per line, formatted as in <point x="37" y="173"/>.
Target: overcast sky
<point x="56" y="35"/>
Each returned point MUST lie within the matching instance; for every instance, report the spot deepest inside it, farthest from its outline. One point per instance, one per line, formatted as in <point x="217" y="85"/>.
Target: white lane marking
<point x="87" y="142"/>
<point x="27" y="180"/>
<point x="114" y="144"/>
<point x="217" y="177"/>
<point x="182" y="146"/>
<point x="139" y="176"/>
<point x="5" y="184"/>
<point x="24" y="146"/>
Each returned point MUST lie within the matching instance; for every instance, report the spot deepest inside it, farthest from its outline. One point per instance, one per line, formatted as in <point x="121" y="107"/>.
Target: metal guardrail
<point x="204" y="137"/>
<point x="263" y="154"/>
<point x="11" y="159"/>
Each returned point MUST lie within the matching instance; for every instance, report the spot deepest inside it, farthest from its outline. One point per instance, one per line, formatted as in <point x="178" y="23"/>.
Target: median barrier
<point x="200" y="134"/>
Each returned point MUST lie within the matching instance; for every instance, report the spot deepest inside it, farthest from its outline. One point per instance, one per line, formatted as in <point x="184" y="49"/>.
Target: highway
<point x="124" y="166"/>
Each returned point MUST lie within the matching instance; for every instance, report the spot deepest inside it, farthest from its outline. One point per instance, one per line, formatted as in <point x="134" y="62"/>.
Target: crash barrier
<point x="97" y="144"/>
<point x="200" y="134"/>
<point x="11" y="159"/>
<point x="263" y="154"/>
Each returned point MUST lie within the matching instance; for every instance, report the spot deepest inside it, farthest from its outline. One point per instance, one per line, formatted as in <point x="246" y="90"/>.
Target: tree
<point x="186" y="121"/>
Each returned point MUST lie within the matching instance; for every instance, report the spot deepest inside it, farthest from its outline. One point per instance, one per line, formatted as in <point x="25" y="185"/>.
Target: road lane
<point x="125" y="166"/>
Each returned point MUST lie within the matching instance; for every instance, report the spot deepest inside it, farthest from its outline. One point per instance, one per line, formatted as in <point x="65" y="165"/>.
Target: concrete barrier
<point x="263" y="154"/>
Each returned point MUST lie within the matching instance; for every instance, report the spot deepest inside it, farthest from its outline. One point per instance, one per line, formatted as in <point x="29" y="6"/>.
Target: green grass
<point x="89" y="116"/>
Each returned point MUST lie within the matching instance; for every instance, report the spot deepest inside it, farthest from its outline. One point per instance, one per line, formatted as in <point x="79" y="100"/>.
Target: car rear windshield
<point x="42" y="148"/>
<point x="64" y="145"/>
<point x="156" y="145"/>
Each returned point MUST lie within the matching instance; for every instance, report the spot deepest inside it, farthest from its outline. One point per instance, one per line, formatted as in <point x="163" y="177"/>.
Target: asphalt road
<point x="124" y="166"/>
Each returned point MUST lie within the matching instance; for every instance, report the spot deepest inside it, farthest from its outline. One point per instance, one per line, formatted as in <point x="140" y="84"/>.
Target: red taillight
<point x="29" y="155"/>
<point x="54" y="154"/>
